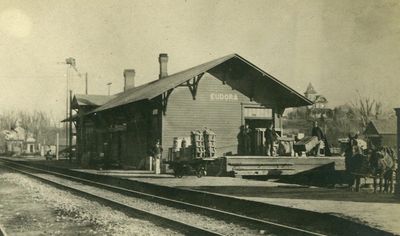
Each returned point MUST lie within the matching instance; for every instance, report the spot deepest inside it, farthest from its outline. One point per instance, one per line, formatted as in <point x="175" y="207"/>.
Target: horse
<point x="382" y="165"/>
<point x="356" y="161"/>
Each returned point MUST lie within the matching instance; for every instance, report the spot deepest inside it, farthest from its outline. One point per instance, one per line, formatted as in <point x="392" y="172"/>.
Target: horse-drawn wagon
<point x="362" y="163"/>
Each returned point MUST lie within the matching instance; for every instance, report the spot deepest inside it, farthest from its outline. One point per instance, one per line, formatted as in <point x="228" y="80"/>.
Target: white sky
<point x="340" y="46"/>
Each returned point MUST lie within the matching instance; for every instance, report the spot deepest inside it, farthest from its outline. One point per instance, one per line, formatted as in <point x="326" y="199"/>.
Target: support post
<point x="70" y="126"/>
<point x="57" y="145"/>
<point x="397" y="187"/>
<point x="86" y="83"/>
<point x="67" y="106"/>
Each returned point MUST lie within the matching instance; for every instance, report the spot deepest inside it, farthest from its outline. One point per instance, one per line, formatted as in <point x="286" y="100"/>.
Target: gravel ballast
<point x="43" y="210"/>
<point x="162" y="210"/>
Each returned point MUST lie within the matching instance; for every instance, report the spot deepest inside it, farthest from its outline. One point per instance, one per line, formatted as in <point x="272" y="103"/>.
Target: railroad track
<point x="181" y="227"/>
<point x="2" y="231"/>
<point x="258" y="225"/>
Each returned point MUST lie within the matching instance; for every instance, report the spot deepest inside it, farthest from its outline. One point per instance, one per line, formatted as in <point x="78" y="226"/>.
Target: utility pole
<point x="71" y="64"/>
<point x="397" y="186"/>
<point x="57" y="145"/>
<point x="70" y="126"/>
<point x="66" y="107"/>
<point x="86" y="83"/>
<point x="109" y="86"/>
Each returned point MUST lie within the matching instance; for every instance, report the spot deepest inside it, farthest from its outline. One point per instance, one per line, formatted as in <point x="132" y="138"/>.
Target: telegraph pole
<point x="86" y="83"/>
<point x="70" y="126"/>
<point x="397" y="186"/>
<point x="66" y="106"/>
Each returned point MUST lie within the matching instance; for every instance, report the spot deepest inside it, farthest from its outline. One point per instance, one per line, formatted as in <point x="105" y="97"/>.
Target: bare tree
<point x="366" y="109"/>
<point x="38" y="123"/>
<point x="378" y="110"/>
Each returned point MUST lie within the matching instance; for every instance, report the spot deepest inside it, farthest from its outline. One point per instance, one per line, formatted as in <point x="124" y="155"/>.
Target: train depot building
<point x="221" y="95"/>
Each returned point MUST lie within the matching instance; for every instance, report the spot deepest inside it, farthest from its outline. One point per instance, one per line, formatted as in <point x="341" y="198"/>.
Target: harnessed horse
<point x="356" y="161"/>
<point x="378" y="164"/>
<point x="382" y="164"/>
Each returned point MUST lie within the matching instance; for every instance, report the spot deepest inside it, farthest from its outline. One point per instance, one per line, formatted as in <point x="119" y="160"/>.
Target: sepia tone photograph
<point x="199" y="117"/>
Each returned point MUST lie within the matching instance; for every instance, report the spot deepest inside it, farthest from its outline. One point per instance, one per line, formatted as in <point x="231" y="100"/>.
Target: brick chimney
<point x="129" y="79"/>
<point x="163" y="60"/>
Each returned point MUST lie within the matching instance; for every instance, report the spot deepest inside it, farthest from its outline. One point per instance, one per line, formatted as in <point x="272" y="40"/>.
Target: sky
<point x="342" y="47"/>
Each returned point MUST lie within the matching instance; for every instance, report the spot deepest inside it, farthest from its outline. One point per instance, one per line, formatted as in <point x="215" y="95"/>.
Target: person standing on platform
<point x="241" y="142"/>
<point x="270" y="138"/>
<point x="317" y="132"/>
<point x="247" y="140"/>
<point x="156" y="152"/>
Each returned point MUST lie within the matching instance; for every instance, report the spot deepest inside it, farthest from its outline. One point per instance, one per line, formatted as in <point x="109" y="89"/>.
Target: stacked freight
<point x="198" y="149"/>
<point x="209" y="143"/>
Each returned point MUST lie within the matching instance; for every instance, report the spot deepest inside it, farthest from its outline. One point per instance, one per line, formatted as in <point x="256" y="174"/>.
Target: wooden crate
<point x="306" y="144"/>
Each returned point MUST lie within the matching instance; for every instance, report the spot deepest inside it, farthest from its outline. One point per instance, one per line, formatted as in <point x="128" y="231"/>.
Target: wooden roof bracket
<point x="164" y="100"/>
<point x="280" y="110"/>
<point x="192" y="84"/>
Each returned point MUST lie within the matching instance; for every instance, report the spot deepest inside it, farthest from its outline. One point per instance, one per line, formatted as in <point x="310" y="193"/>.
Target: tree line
<point x="341" y="120"/>
<point x="40" y="124"/>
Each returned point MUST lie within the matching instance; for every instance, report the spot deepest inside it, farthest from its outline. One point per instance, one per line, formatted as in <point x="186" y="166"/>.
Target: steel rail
<point x="224" y="215"/>
<point x="2" y="231"/>
<point x="181" y="227"/>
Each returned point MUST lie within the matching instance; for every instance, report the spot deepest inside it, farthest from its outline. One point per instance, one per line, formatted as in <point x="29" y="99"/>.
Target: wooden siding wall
<point x="142" y="130"/>
<point x="127" y="147"/>
<point x="389" y="140"/>
<point x="217" y="107"/>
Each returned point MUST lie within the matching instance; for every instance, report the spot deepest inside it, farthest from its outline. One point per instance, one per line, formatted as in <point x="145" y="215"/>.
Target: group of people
<point x="246" y="140"/>
<point x="247" y="146"/>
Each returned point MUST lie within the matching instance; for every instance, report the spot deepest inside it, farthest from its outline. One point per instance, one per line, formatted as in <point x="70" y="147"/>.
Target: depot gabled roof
<point x="263" y="86"/>
<point x="90" y="100"/>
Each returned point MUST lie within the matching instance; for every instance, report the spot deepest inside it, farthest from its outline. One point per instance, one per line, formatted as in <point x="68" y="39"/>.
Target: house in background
<point x="382" y="133"/>
<point x="319" y="107"/>
<point x="30" y="145"/>
<point x="19" y="141"/>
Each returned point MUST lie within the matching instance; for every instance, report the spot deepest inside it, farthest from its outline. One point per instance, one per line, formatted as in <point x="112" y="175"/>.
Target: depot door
<point x="258" y="118"/>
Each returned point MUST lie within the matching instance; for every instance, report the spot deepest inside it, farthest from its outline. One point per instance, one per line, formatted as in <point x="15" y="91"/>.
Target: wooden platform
<point x="264" y="165"/>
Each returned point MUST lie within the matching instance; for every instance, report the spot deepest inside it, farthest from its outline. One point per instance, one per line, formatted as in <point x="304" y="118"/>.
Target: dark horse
<point x="356" y="162"/>
<point x="382" y="163"/>
<point x="378" y="164"/>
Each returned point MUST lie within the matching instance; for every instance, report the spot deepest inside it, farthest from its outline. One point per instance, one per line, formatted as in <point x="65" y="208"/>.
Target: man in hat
<point x="270" y="138"/>
<point x="156" y="152"/>
<point x="317" y="132"/>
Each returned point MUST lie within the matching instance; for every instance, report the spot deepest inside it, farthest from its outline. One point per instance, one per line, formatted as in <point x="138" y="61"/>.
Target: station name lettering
<point x="223" y="97"/>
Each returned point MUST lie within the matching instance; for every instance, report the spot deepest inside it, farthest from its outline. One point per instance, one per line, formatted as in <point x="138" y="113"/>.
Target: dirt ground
<point x="378" y="210"/>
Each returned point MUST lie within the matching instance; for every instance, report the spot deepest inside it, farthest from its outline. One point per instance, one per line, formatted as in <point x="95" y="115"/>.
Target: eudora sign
<point x="223" y="97"/>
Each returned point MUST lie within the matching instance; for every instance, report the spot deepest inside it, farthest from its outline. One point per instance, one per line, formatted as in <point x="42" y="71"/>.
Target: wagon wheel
<point x="201" y="172"/>
<point x="178" y="173"/>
